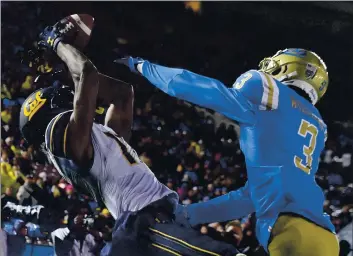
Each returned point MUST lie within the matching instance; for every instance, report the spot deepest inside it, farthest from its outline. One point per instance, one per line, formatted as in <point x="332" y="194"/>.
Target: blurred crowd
<point x="185" y="148"/>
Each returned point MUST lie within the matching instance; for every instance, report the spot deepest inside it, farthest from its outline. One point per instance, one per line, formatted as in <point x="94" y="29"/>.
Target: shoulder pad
<point x="250" y="77"/>
<point x="260" y="88"/>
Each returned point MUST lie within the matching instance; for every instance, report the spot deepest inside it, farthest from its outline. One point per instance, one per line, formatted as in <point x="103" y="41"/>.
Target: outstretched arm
<point x="201" y="90"/>
<point x="85" y="77"/>
<point x="120" y="96"/>
<point x="233" y="205"/>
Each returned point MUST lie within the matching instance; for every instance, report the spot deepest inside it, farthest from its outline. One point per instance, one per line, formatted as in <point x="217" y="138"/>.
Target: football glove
<point x="50" y="38"/>
<point x="64" y="30"/>
<point x="130" y="62"/>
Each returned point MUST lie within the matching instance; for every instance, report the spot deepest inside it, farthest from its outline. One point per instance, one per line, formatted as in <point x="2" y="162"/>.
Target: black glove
<point x="50" y="38"/>
<point x="63" y="30"/>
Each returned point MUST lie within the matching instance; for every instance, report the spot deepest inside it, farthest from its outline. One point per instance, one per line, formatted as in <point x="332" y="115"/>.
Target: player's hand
<point x="130" y="62"/>
<point x="181" y="216"/>
<point x="50" y="38"/>
<point x="63" y="30"/>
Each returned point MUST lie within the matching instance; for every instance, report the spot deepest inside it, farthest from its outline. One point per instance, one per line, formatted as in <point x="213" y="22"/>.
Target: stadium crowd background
<point x="188" y="150"/>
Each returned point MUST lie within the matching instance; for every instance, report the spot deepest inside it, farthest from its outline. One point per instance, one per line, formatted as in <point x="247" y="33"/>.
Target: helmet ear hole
<point x="285" y="69"/>
<point x="276" y="71"/>
<point x="282" y="69"/>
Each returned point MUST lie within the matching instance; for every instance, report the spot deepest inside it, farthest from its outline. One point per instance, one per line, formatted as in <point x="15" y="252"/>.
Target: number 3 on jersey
<point x="245" y="78"/>
<point x="306" y="129"/>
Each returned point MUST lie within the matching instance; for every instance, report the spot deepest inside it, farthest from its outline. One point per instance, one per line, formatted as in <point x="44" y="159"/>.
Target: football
<point x="78" y="27"/>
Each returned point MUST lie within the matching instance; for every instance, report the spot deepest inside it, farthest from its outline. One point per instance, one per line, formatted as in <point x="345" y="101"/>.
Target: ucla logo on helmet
<point x="310" y="71"/>
<point x="295" y="52"/>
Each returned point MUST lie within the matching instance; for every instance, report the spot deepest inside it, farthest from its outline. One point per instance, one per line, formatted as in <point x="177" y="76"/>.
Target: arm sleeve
<point x="203" y="91"/>
<point x="233" y="205"/>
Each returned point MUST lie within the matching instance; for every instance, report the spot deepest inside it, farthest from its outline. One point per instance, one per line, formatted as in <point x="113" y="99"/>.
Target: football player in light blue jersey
<point x="282" y="135"/>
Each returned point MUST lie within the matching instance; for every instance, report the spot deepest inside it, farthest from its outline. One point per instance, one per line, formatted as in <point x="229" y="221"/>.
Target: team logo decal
<point x="295" y="52"/>
<point x="32" y="106"/>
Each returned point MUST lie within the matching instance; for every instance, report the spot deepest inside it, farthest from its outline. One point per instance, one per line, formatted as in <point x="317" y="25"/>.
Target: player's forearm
<point x="119" y="117"/>
<point x="112" y="90"/>
<point x="233" y="205"/>
<point x="186" y="85"/>
<point x="181" y="83"/>
<point x="85" y="78"/>
<point x="76" y="61"/>
<point x="120" y="96"/>
<point x="84" y="75"/>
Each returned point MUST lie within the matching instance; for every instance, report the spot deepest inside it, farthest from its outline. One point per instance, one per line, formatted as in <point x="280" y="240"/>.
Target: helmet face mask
<point x="300" y="68"/>
<point x="269" y="65"/>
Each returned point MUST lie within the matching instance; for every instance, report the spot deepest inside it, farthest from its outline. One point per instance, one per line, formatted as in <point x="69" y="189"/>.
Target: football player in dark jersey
<point x="98" y="161"/>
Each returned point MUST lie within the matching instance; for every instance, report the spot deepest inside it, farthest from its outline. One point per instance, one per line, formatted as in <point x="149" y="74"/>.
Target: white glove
<point x="60" y="233"/>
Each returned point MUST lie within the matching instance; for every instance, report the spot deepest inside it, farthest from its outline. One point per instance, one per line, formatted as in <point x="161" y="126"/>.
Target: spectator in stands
<point x="8" y="197"/>
<point x="27" y="192"/>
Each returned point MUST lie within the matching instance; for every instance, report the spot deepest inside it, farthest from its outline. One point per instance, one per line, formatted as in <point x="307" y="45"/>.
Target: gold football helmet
<point x="300" y="68"/>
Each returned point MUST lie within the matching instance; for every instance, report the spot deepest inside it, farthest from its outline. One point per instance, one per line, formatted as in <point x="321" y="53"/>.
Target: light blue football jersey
<point x="282" y="136"/>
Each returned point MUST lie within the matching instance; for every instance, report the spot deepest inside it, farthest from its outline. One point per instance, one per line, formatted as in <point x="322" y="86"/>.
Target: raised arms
<point x="86" y="80"/>
<point x="201" y="90"/>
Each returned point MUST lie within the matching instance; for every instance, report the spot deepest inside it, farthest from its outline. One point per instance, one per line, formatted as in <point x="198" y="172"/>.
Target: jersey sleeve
<point x="201" y="90"/>
<point x="233" y="205"/>
<point x="259" y="88"/>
